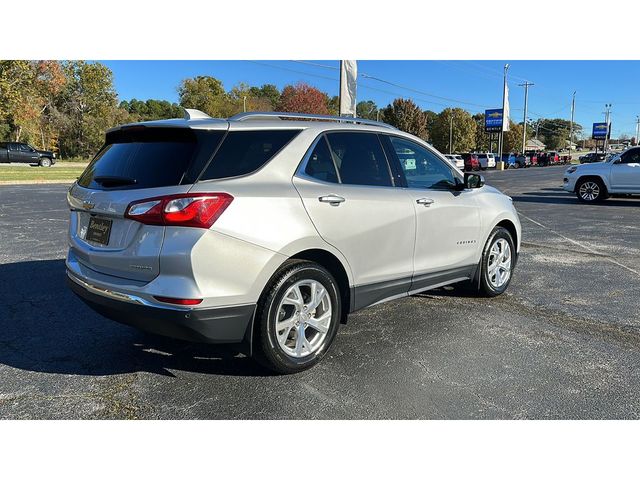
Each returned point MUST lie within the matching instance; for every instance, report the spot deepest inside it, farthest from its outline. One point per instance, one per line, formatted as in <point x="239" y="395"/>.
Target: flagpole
<point x="504" y="91"/>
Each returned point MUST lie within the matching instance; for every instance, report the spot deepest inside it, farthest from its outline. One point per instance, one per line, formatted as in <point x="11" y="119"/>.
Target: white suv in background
<point x="593" y="182"/>
<point x="487" y="160"/>
<point x="456" y="160"/>
<point x="267" y="233"/>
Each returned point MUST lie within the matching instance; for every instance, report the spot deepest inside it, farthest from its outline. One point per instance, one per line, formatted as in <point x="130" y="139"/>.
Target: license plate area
<point x="99" y="230"/>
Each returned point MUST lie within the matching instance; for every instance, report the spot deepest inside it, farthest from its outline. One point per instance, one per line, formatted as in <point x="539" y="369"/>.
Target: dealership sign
<point x="600" y="130"/>
<point x="493" y="120"/>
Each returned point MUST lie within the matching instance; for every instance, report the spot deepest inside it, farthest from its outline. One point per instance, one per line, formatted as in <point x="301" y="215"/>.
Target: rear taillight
<point x="182" y="210"/>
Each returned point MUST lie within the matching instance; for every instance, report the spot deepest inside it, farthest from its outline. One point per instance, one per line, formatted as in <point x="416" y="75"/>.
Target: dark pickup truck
<point x="24" y="153"/>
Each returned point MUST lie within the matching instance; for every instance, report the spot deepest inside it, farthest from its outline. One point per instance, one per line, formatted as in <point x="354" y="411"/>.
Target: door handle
<point x="334" y="200"/>
<point x="424" y="201"/>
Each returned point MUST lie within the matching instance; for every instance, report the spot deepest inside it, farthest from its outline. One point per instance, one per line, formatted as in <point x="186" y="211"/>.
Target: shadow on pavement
<point x="44" y="327"/>
<point x="570" y="199"/>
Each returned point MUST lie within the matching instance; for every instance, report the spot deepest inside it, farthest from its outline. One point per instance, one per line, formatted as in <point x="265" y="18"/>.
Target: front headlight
<point x="572" y="169"/>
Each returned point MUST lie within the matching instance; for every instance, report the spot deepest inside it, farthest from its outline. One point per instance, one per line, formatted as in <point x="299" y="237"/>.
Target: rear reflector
<point x="199" y="210"/>
<point x="179" y="301"/>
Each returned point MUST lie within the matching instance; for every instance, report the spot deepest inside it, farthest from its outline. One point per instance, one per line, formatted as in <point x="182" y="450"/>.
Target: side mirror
<point x="473" y="180"/>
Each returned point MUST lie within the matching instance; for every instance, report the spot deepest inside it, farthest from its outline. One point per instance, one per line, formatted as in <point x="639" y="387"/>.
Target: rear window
<point x="245" y="152"/>
<point x="143" y="158"/>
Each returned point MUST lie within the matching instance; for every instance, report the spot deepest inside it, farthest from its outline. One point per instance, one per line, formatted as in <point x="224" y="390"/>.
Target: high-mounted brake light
<point x="199" y="210"/>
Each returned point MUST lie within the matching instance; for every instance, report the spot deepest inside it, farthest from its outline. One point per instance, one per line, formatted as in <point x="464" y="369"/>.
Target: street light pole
<point x="244" y="103"/>
<point x="451" y="134"/>
<point x="637" y="128"/>
<point x="573" y="106"/>
<point x="526" y="86"/>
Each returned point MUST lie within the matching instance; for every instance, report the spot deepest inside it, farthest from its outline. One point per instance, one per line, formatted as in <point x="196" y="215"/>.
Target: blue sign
<point x="493" y="120"/>
<point x="600" y="130"/>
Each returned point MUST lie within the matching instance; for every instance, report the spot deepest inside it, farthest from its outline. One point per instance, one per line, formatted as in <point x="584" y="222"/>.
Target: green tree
<point x="464" y="131"/>
<point x="19" y="97"/>
<point x="207" y="94"/>
<point x="87" y="106"/>
<point x="554" y="133"/>
<point x="267" y="92"/>
<point x="481" y="137"/>
<point x="405" y="115"/>
<point x="152" y="109"/>
<point x="367" y="109"/>
<point x="333" y="105"/>
<point x="512" y="139"/>
<point x="243" y="96"/>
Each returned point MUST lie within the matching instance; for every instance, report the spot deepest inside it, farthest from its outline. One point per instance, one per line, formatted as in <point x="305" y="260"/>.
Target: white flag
<point x="348" y="81"/>
<point x="505" y="109"/>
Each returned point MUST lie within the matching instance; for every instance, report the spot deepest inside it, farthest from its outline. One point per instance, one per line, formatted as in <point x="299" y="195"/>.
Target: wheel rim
<point x="499" y="265"/>
<point x="304" y="318"/>
<point x="589" y="191"/>
<point x="45" y="163"/>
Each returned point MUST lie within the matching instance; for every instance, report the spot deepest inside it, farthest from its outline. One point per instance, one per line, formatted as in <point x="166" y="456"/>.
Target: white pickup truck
<point x="593" y="182"/>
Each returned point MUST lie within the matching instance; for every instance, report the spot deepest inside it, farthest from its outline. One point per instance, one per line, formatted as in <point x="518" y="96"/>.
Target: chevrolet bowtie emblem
<point x="88" y="205"/>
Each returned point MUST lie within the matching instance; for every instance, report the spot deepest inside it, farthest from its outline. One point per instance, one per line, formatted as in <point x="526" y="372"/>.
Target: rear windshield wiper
<point x="113" y="180"/>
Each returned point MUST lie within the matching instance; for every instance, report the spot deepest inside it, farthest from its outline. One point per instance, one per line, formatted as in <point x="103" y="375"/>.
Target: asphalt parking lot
<point x="563" y="342"/>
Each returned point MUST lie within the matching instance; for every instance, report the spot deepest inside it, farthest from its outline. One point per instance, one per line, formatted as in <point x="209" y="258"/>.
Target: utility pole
<point x="526" y="86"/>
<point x="573" y="107"/>
<point x="450" y="134"/>
<point x="637" y="129"/>
<point x="244" y="103"/>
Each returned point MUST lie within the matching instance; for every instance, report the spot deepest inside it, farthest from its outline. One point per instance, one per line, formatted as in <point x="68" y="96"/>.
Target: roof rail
<point x="193" y="114"/>
<point x="240" y="117"/>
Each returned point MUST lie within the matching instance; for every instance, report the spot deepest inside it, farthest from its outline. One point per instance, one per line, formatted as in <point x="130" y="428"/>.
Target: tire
<point x="490" y="283"/>
<point x="280" y="303"/>
<point x="591" y="190"/>
<point x="45" y="162"/>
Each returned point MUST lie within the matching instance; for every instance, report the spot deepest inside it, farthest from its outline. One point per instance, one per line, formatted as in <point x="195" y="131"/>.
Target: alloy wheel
<point x="304" y="318"/>
<point x="499" y="265"/>
<point x="589" y="191"/>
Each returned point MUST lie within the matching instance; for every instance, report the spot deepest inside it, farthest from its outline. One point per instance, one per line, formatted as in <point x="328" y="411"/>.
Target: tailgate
<point x="115" y="245"/>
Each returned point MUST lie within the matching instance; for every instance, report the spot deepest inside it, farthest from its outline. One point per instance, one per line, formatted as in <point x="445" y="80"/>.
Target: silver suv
<point x="266" y="231"/>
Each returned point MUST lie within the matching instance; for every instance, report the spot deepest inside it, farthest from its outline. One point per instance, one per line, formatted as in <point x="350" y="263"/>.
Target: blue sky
<point x="433" y="84"/>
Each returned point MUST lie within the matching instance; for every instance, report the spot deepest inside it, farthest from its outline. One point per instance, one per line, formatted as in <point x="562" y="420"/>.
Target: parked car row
<point x="482" y="161"/>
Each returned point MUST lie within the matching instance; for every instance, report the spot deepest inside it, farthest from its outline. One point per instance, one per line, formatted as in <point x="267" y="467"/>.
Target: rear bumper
<point x="210" y="325"/>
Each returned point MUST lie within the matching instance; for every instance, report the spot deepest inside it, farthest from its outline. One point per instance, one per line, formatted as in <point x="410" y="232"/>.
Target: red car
<point x="533" y="156"/>
<point x="471" y="161"/>
<point x="554" y="158"/>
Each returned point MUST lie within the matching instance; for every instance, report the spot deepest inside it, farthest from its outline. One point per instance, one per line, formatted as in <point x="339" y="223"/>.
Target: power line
<point x="314" y="64"/>
<point x="397" y="85"/>
<point x="278" y="67"/>
<point x="366" y="76"/>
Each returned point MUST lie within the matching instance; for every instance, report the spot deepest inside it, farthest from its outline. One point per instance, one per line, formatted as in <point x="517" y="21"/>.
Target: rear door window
<point x="360" y="159"/>
<point x="244" y="152"/>
<point x="145" y="158"/>
<point x="320" y="164"/>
